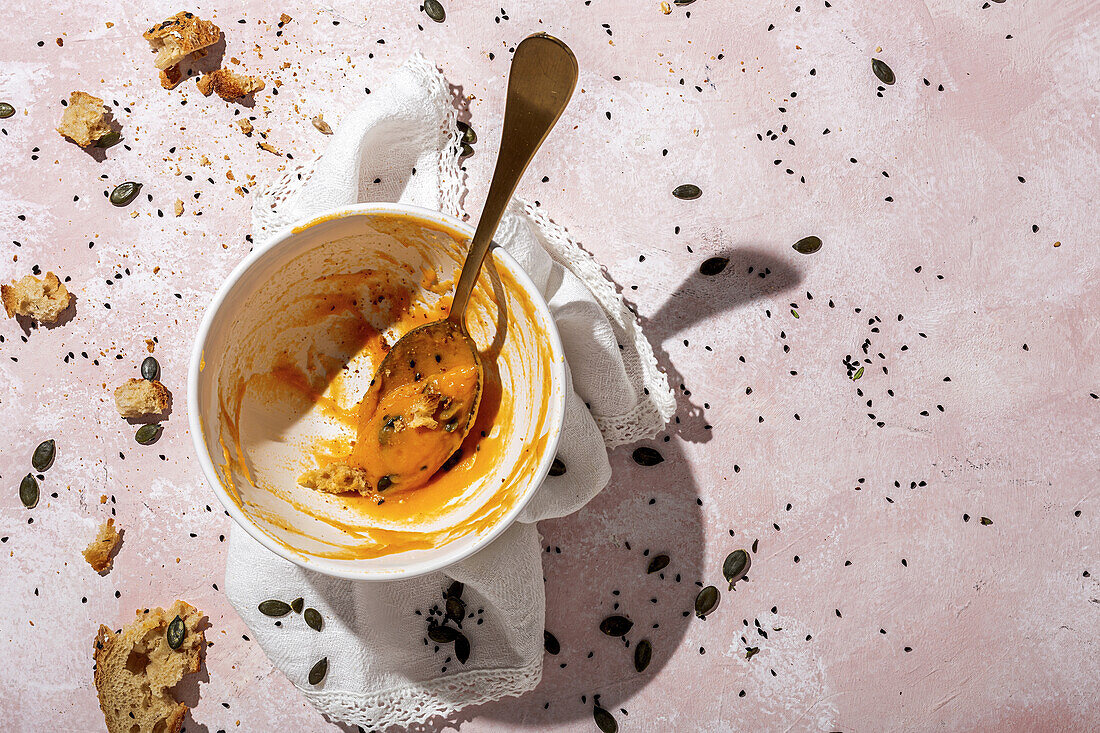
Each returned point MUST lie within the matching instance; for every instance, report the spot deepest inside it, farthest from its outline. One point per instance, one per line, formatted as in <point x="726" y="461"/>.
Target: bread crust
<point x="98" y="552"/>
<point x="42" y="300"/>
<point x="141" y="397"/>
<point x="339" y="478"/>
<point x="180" y="36"/>
<point x="136" y="669"/>
<point x="85" y="119"/>
<point x="229" y="85"/>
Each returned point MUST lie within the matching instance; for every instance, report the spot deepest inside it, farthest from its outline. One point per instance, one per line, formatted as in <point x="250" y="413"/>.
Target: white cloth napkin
<point x="380" y="672"/>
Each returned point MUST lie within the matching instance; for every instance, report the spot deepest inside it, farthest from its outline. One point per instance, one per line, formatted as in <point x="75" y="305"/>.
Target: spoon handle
<point x="541" y="80"/>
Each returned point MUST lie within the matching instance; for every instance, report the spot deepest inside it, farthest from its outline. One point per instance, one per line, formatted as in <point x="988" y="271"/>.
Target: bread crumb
<point x="179" y="36"/>
<point x="284" y="19"/>
<point x="246" y="126"/>
<point x="98" y="552"/>
<point x="42" y="300"/>
<point x="339" y="478"/>
<point x="102" y="498"/>
<point x="85" y="119"/>
<point x="150" y="344"/>
<point x="136" y="669"/>
<point x="141" y="397"/>
<point x="179" y="207"/>
<point x="229" y="85"/>
<point x="204" y="161"/>
<point x="268" y="148"/>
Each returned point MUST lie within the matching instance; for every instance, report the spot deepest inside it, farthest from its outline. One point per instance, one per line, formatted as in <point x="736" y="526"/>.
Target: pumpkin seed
<point x="687" y="192"/>
<point x="468" y="134"/>
<point x="550" y="643"/>
<point x="109" y="140"/>
<point x="616" y="625"/>
<point x="557" y="468"/>
<point x="313" y="619"/>
<point x="605" y="721"/>
<point x="43" y="455"/>
<point x="750" y="651"/>
<point x="646" y="456"/>
<point x="124" y="193"/>
<point x="6" y="110"/>
<point x="858" y="374"/>
<point x="148" y="434"/>
<point x="455" y="589"/>
<point x="467" y="151"/>
<point x="736" y="565"/>
<point x="707" y="601"/>
<point x="28" y="491"/>
<point x="176" y="631"/>
<point x="642" y="654"/>
<point x="884" y="73"/>
<point x="434" y="10"/>
<point x="150" y="368"/>
<point x="318" y="672"/>
<point x="462" y="648"/>
<point x="807" y="245"/>
<point x="713" y="266"/>
<point x="274" y="608"/>
<point x="442" y="634"/>
<point x="659" y="562"/>
<point x="297" y="604"/>
<point x="456" y="608"/>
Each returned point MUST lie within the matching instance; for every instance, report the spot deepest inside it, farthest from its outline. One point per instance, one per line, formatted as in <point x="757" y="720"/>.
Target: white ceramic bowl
<point x="286" y="317"/>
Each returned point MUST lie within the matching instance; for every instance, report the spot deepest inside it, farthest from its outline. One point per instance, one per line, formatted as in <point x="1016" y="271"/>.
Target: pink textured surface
<point x="883" y="608"/>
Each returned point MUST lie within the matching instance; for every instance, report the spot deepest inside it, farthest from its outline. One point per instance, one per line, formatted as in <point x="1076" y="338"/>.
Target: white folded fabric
<point x="380" y="672"/>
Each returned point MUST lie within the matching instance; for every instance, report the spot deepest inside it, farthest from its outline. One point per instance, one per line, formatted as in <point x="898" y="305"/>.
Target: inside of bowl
<point x="294" y="346"/>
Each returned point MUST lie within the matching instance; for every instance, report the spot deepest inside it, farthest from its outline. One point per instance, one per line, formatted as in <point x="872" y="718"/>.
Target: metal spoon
<point x="424" y="398"/>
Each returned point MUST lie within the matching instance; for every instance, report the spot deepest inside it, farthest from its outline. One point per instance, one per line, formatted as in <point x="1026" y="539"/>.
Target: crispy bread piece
<point x="141" y="397"/>
<point x="43" y="300"/>
<point x="339" y="478"/>
<point x="170" y="77"/>
<point x="98" y="552"/>
<point x="229" y="85"/>
<point x="135" y="670"/>
<point x="85" y="119"/>
<point x="181" y="35"/>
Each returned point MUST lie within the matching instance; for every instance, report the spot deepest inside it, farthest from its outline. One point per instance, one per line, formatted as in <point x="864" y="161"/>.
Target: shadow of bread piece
<point x="98" y="552"/>
<point x="136" y="669"/>
<point x="85" y="119"/>
<point x="179" y="36"/>
<point x="43" y="300"/>
<point x="229" y="85"/>
<point x="141" y="397"/>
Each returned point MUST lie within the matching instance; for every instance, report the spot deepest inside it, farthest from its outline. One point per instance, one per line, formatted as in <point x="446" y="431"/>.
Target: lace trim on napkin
<point x="405" y="705"/>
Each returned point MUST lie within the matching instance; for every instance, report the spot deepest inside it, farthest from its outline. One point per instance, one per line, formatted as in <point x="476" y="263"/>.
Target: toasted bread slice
<point x="141" y="397"/>
<point x="85" y="119"/>
<point x="98" y="552"/>
<point x="229" y="85"/>
<point x="179" y="36"/>
<point x="43" y="300"/>
<point x="135" y="670"/>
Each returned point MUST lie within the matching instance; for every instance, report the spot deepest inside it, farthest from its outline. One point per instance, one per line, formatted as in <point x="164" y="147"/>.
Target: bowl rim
<point x="328" y="566"/>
